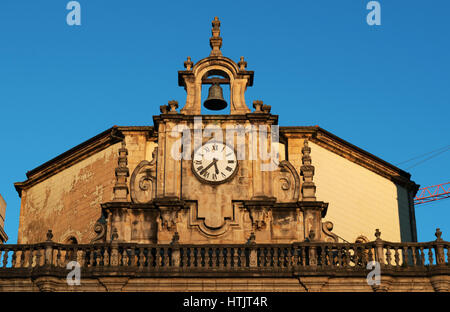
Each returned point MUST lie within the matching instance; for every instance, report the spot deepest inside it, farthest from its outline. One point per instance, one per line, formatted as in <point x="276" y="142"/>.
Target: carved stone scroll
<point x="327" y="227"/>
<point x="100" y="230"/>
<point x="143" y="181"/>
<point x="289" y="181"/>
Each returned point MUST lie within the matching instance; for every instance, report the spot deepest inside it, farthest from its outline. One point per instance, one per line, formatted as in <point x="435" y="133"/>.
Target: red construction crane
<point x="432" y="193"/>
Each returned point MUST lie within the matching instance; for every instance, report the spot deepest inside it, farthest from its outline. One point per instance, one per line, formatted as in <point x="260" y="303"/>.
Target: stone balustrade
<point x="225" y="258"/>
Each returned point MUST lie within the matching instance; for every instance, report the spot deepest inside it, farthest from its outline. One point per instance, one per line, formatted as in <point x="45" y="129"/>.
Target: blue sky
<point x="383" y="88"/>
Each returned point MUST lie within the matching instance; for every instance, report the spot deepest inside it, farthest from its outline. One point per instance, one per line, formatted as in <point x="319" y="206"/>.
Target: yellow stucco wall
<point x="360" y="200"/>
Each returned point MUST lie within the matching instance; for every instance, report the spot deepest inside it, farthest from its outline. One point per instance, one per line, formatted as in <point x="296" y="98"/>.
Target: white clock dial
<point x="214" y="163"/>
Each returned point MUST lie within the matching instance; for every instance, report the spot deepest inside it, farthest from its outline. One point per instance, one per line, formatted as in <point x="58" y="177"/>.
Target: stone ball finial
<point x="188" y="63"/>
<point x="257" y="105"/>
<point x="242" y="64"/>
<point x="49" y="235"/>
<point x="164" y="109"/>
<point x="175" y="238"/>
<point x="173" y="107"/>
<point x="377" y="234"/>
<point x="438" y="234"/>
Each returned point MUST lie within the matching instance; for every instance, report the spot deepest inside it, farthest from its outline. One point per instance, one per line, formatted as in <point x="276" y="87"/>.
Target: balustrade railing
<point x="211" y="258"/>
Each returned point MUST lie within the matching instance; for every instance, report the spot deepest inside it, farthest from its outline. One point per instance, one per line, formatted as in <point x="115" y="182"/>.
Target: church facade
<point x="220" y="202"/>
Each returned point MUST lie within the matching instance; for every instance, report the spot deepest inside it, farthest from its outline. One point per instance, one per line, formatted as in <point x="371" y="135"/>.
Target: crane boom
<point x="432" y="193"/>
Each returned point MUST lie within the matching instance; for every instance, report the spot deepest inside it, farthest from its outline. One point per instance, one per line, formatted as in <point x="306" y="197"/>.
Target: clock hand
<point x="209" y="166"/>
<point x="217" y="169"/>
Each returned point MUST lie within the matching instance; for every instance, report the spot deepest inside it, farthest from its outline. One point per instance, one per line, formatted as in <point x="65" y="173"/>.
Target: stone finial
<point x="122" y="173"/>
<point x="115" y="234"/>
<point x="438" y="234"/>
<point x="175" y="238"/>
<point x="49" y="235"/>
<point x="257" y="105"/>
<point x="173" y="105"/>
<point x="377" y="234"/>
<point x="307" y="172"/>
<point x="164" y="109"/>
<point x="215" y="41"/>
<point x="251" y="239"/>
<point x="266" y="108"/>
<point x="242" y="64"/>
<point x="188" y="63"/>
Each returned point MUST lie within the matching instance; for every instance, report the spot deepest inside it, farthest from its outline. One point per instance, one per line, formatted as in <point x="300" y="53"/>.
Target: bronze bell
<point x="215" y="99"/>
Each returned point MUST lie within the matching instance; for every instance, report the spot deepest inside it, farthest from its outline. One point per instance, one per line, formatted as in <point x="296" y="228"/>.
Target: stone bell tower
<point x="215" y="178"/>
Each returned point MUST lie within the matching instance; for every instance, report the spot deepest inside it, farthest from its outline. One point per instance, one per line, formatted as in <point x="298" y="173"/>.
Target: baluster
<point x="260" y="256"/>
<point x="98" y="256"/>
<point x="159" y="257"/>
<point x="214" y="257"/>
<point x="91" y="257"/>
<point x="290" y="257"/>
<point x="228" y="249"/>
<point x="396" y="256"/>
<point x="323" y="256"/>
<point x="430" y="256"/>
<point x="5" y="257"/>
<point x="296" y="256"/>
<point x="243" y="258"/>
<point x="13" y="261"/>
<point x="221" y="258"/>
<point x="236" y="257"/>
<point x="162" y="257"/>
<point x="141" y="257"/>
<point x="365" y="253"/>
<point x="184" y="258"/>
<point x="191" y="257"/>
<point x="134" y="257"/>
<point x="166" y="257"/>
<point x="31" y="258"/>
<point x="422" y="256"/>
<point x="348" y="259"/>
<point x="283" y="257"/>
<point x="106" y="257"/>
<point x="388" y="255"/>
<point x="22" y="258"/>
<point x="275" y="257"/>
<point x="124" y="257"/>
<point x="405" y="256"/>
<point x="303" y="256"/>
<point x="413" y="250"/>
<point x="339" y="257"/>
<point x="330" y="255"/>
<point x="66" y="257"/>
<point x="38" y="257"/>
<point x="151" y="257"/>
<point x="269" y="257"/>
<point x="58" y="258"/>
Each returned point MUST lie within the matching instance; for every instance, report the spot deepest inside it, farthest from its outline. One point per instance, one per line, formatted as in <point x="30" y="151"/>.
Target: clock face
<point x="214" y="163"/>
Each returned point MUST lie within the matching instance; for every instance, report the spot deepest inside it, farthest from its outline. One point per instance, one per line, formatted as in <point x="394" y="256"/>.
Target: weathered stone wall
<point x="69" y="201"/>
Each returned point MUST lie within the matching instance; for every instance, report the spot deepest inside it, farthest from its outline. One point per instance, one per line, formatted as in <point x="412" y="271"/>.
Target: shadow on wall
<point x="406" y="213"/>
